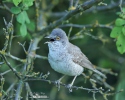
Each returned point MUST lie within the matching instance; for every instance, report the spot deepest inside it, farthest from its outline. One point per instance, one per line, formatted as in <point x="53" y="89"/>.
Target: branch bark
<point x="80" y="8"/>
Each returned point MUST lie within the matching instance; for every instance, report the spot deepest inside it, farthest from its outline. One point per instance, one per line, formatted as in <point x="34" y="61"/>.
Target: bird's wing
<point x="79" y="58"/>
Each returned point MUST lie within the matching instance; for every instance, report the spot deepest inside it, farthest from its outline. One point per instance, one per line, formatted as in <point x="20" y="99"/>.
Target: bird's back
<point x="78" y="57"/>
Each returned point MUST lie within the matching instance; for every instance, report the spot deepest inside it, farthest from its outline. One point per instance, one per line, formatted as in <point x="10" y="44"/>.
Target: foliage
<point x="118" y="32"/>
<point x="22" y="17"/>
<point x="90" y="24"/>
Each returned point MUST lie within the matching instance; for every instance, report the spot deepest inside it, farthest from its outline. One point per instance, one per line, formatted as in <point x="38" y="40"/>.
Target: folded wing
<point x="79" y="58"/>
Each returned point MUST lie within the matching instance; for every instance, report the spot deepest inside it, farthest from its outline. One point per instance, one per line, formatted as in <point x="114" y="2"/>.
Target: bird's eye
<point x="57" y="38"/>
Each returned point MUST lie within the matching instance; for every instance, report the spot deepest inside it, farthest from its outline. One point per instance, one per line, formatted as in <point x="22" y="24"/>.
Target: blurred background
<point x="94" y="41"/>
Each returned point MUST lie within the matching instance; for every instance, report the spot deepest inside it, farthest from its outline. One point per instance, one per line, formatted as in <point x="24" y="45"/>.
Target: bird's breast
<point x="57" y="54"/>
<point x="62" y="63"/>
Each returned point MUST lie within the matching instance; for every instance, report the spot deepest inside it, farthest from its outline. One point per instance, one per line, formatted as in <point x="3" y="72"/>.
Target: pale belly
<point x="65" y="66"/>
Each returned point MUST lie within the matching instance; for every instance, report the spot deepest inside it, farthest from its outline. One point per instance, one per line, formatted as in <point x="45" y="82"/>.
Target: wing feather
<point x="79" y="58"/>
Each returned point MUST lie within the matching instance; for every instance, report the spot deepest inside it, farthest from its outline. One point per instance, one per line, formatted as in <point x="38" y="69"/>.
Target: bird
<point x="67" y="58"/>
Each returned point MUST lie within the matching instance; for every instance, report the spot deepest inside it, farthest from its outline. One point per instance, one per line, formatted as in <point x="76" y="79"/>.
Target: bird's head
<point x="57" y="37"/>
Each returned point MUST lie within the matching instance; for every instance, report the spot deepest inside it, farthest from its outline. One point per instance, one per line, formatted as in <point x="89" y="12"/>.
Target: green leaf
<point x="31" y="26"/>
<point x="26" y="17"/>
<point x="23" y="17"/>
<point x="115" y="32"/>
<point x="16" y="2"/>
<point x="120" y="43"/>
<point x="119" y="22"/>
<point x="123" y="30"/>
<point x="15" y="10"/>
<point x="23" y="30"/>
<point x="28" y="3"/>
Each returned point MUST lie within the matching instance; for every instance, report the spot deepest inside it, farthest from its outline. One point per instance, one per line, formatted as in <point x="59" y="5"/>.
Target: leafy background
<point x="104" y="50"/>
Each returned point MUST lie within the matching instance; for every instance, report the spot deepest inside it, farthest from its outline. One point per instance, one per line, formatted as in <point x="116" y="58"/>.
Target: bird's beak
<point x="48" y="37"/>
<point x="46" y="42"/>
<point x="51" y="39"/>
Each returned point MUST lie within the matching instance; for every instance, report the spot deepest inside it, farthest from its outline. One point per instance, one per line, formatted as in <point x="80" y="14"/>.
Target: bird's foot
<point x="69" y="86"/>
<point x="57" y="83"/>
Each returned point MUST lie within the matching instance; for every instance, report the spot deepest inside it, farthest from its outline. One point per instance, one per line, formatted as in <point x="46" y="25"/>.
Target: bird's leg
<point x="69" y="86"/>
<point x="57" y="82"/>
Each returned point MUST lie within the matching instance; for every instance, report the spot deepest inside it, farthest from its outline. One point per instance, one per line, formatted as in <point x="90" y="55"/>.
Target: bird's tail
<point x="98" y="72"/>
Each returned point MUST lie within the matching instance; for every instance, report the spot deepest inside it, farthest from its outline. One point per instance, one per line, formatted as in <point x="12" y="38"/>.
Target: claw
<point x="69" y="86"/>
<point x="57" y="83"/>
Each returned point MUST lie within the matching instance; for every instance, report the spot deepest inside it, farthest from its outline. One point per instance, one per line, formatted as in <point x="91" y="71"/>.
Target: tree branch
<point x="86" y="26"/>
<point x="13" y="70"/>
<point x="19" y="90"/>
<point x="73" y="87"/>
<point x="68" y="15"/>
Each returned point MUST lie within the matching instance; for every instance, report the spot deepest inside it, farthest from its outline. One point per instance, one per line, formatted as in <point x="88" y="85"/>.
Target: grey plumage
<point x="79" y="58"/>
<point x="65" y="57"/>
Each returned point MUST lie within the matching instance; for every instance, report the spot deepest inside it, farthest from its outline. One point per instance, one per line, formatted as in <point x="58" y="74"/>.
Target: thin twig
<point x="73" y="87"/>
<point x="31" y="51"/>
<point x="29" y="90"/>
<point x="4" y="73"/>
<point x="13" y="70"/>
<point x="9" y="89"/>
<point x="41" y="57"/>
<point x="76" y="3"/>
<point x="87" y="26"/>
<point x="120" y="4"/>
<point x="19" y="90"/>
<point x="29" y="59"/>
<point x="7" y="39"/>
<point x="97" y="9"/>
<point x="11" y="34"/>
<point x="71" y="3"/>
<point x="16" y="58"/>
<point x="23" y="46"/>
<point x="94" y="96"/>
<point x="70" y="30"/>
<point x="1" y="85"/>
<point x="5" y="7"/>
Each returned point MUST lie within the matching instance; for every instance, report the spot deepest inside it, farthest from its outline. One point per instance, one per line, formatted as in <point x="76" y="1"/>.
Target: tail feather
<point x="98" y="72"/>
